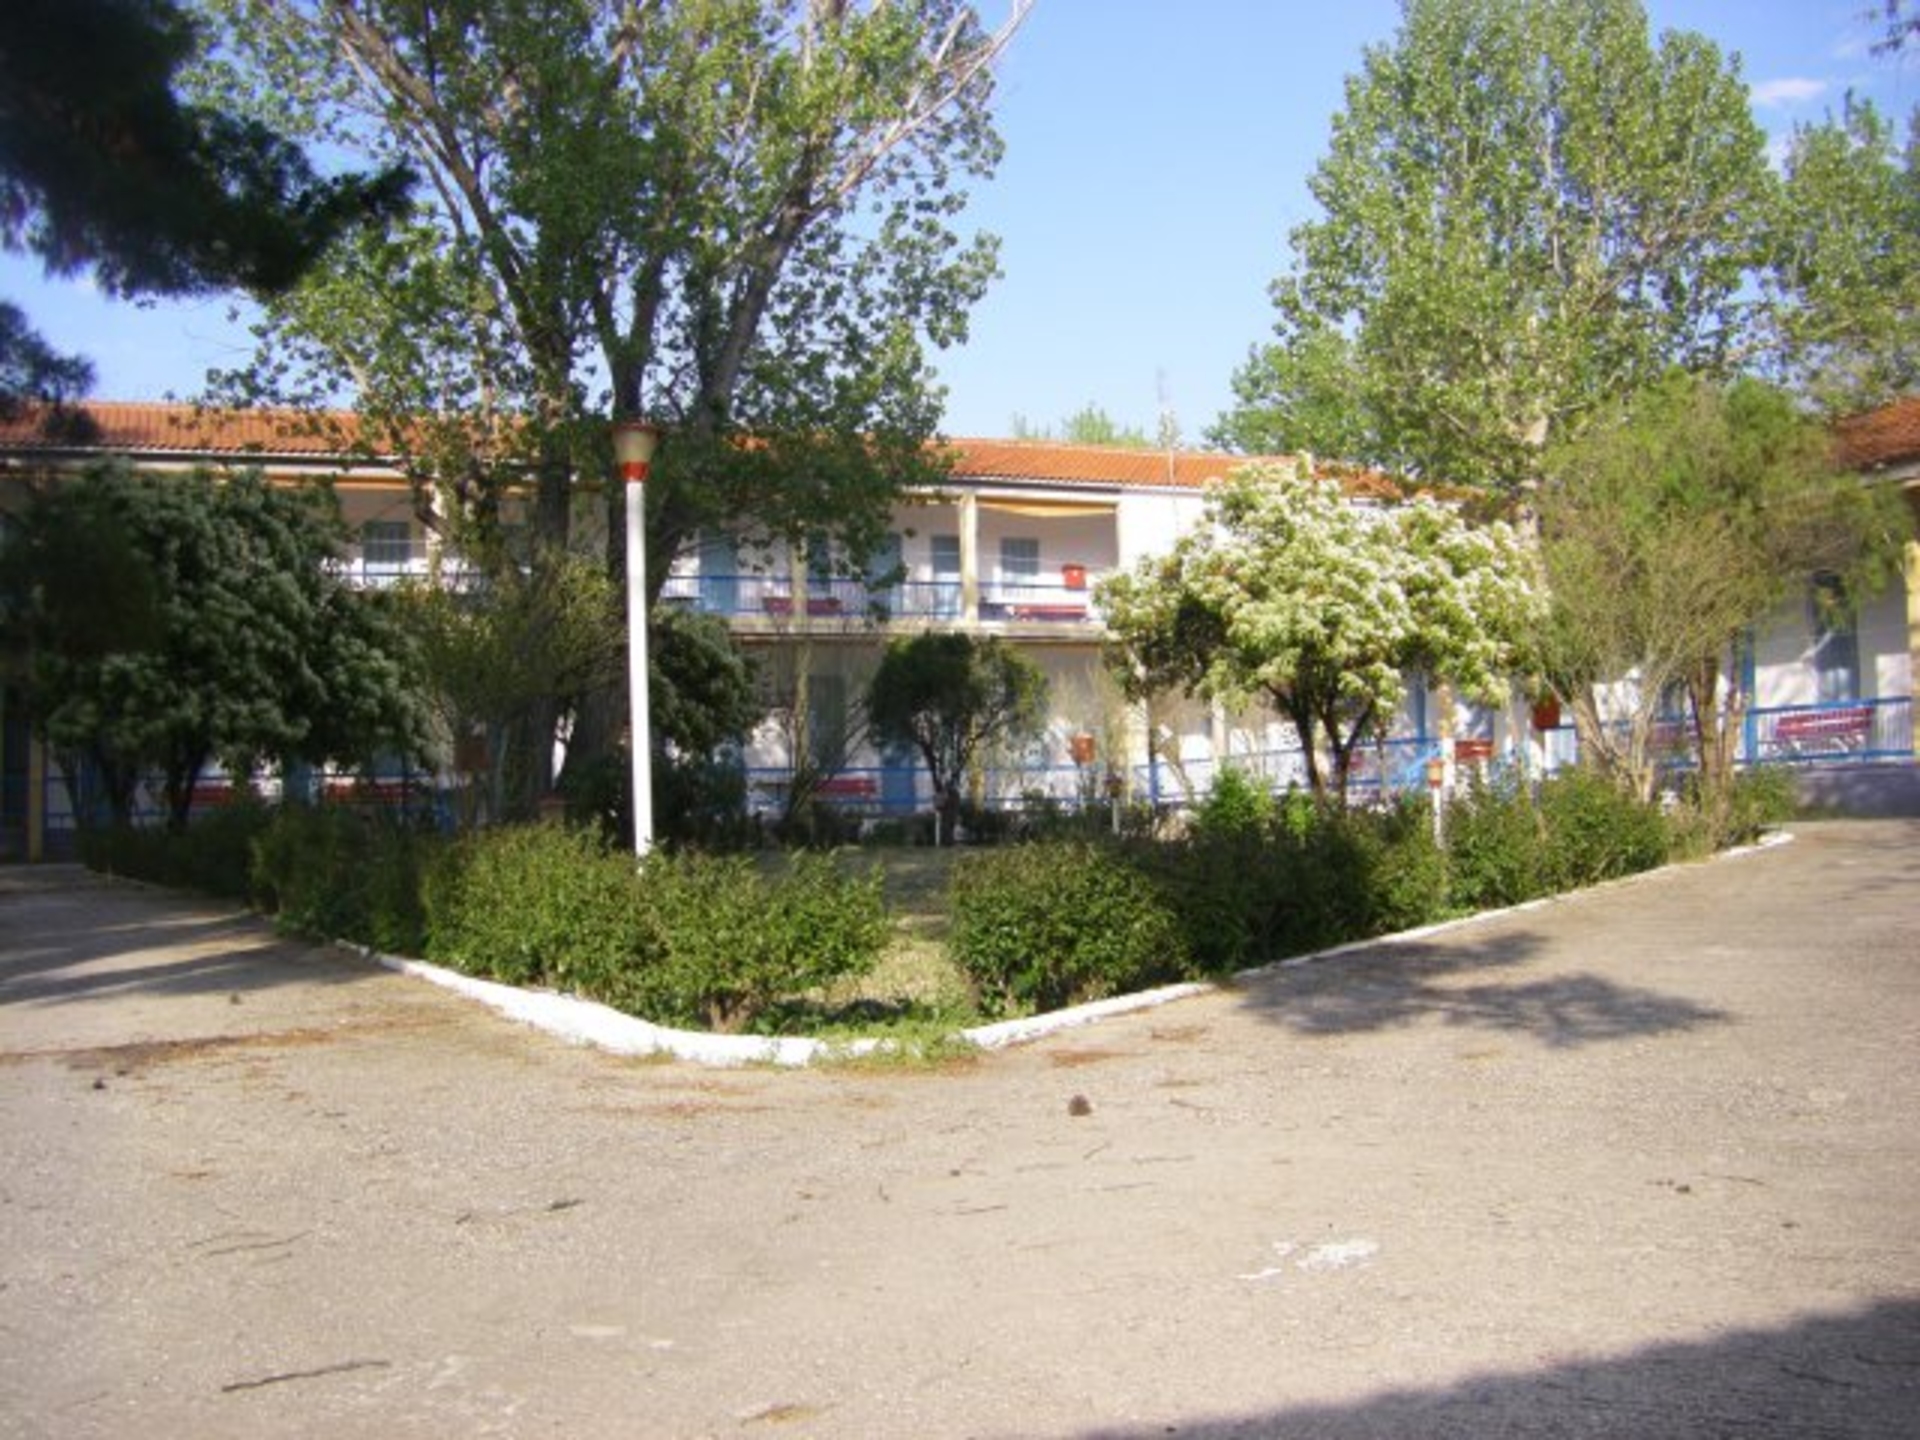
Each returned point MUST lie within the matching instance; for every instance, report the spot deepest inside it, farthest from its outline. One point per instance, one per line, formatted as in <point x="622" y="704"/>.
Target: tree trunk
<point x="1713" y="741"/>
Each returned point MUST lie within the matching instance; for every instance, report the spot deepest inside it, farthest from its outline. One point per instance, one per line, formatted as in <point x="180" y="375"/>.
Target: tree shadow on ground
<point x="1855" y="1374"/>
<point x="87" y="940"/>
<point x="1403" y="983"/>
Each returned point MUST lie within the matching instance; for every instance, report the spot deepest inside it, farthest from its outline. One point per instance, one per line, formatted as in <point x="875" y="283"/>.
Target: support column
<point x="1912" y="578"/>
<point x="36" y="799"/>
<point x="970" y="558"/>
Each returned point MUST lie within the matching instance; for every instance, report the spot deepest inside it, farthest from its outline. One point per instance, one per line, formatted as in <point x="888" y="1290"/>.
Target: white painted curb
<point x="587" y="1022"/>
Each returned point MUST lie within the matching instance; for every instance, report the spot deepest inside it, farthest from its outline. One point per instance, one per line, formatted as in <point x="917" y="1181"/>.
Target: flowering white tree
<point x="1295" y="595"/>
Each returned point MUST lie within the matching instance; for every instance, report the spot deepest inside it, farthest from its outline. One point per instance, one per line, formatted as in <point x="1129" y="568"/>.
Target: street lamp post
<point x="633" y="446"/>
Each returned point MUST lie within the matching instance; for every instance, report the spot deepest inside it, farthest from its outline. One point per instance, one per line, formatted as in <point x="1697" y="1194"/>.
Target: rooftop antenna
<point x="1169" y="424"/>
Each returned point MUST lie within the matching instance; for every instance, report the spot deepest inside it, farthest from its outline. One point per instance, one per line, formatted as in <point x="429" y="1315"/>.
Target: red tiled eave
<point x="158" y="428"/>
<point x="154" y="429"/>
<point x="1879" y="438"/>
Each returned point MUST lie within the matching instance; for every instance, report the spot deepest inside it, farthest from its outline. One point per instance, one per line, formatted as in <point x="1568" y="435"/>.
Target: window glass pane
<point x="1836" y="647"/>
<point x="945" y="599"/>
<point x="1019" y="558"/>
<point x="827" y="720"/>
<point x="386" y="545"/>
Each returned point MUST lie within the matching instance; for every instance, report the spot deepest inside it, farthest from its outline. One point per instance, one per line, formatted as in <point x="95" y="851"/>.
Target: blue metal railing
<point x="1834" y="732"/>
<point x="775" y="599"/>
<point x="1828" y="733"/>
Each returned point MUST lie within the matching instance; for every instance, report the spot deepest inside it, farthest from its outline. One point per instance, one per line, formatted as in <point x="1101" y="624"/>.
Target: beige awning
<point x="1052" y="509"/>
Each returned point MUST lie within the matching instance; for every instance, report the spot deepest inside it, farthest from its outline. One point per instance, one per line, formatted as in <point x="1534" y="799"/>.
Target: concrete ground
<point x="1641" y="1163"/>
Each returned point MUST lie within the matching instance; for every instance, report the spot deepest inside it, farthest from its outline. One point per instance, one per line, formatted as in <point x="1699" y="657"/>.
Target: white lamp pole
<point x="633" y="445"/>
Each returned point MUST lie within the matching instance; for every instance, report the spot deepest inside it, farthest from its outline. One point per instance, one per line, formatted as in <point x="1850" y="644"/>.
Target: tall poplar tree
<point x="736" y="217"/>
<point x="1530" y="208"/>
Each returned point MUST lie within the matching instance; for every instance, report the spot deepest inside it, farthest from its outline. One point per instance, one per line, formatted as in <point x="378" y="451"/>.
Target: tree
<point x="103" y="166"/>
<point x="1092" y="425"/>
<point x="495" y="651"/>
<point x="1903" y="26"/>
<point x="1530" y="209"/>
<point x="733" y="215"/>
<point x="1844" y="278"/>
<point x="33" y="372"/>
<point x="1667" y="531"/>
<point x="172" y="620"/>
<point x="1292" y="594"/>
<point x="950" y="696"/>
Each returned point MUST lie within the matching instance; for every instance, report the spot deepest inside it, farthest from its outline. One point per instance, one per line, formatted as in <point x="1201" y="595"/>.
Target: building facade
<point x="1012" y="545"/>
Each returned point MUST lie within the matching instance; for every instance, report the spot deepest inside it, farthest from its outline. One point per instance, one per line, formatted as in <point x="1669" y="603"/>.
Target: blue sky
<point x="1157" y="154"/>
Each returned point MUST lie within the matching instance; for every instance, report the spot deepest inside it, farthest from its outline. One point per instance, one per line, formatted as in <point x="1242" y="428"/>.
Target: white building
<point x="1013" y="545"/>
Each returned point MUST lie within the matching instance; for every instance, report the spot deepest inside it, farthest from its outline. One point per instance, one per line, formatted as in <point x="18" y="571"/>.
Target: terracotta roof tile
<point x="145" y="428"/>
<point x="1880" y="437"/>
<point x="152" y="428"/>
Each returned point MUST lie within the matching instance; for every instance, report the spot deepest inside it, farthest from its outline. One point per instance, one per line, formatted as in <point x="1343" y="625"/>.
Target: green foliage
<point x="543" y="905"/>
<point x="334" y="873"/>
<point x="1845" y="253"/>
<point x="743" y="212"/>
<point x="734" y="942"/>
<point x="1228" y="888"/>
<point x="1294" y="595"/>
<point x="1238" y="804"/>
<point x="173" y="619"/>
<point x="1596" y="832"/>
<point x="1089" y="425"/>
<point x="1404" y="868"/>
<point x="704" y="693"/>
<point x="497" y="659"/>
<point x="102" y="164"/>
<point x="685" y="939"/>
<point x="1487" y="268"/>
<point x="1677" y="522"/>
<point x="1762" y="798"/>
<point x="32" y="372"/>
<point x="1496" y="843"/>
<point x="1040" y="926"/>
<point x="950" y="696"/>
<point x="213" y="855"/>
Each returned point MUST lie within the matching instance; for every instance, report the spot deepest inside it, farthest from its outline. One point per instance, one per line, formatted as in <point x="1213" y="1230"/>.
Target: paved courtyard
<point x="1645" y="1162"/>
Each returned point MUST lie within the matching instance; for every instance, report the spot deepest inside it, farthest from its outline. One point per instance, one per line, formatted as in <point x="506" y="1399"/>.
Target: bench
<point x="847" y="787"/>
<point x="1054" y="614"/>
<point x="1839" y="731"/>
<point x="816" y="605"/>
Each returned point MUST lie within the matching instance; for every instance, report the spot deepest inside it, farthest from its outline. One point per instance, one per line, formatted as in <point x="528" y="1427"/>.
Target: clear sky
<point x="1157" y="155"/>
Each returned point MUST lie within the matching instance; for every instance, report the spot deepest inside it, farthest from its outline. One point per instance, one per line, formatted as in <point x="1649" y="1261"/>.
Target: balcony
<point x="383" y="572"/>
<point x="770" y="603"/>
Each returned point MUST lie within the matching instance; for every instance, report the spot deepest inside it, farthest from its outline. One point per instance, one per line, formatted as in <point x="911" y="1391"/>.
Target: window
<point x="946" y="576"/>
<point x="1019" y="560"/>
<point x="883" y="574"/>
<point x="1836" y="647"/>
<point x="386" y="547"/>
<point x="719" y="573"/>
<point x="827" y="721"/>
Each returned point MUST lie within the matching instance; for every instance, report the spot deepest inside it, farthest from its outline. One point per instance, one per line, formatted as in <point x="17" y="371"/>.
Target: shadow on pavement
<point x="89" y="940"/>
<point x="1403" y="983"/>
<point x="1854" y="1375"/>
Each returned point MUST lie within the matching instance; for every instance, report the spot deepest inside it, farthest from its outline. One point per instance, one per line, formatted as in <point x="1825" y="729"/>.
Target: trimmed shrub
<point x="214" y="855"/>
<point x="1238" y="804"/>
<point x="541" y="904"/>
<point x="1496" y="839"/>
<point x="1045" y="925"/>
<point x="1761" y="798"/>
<point x="734" y="942"/>
<point x="1596" y="832"/>
<point x="1406" y="871"/>
<point x="685" y="939"/>
<point x="334" y="873"/>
